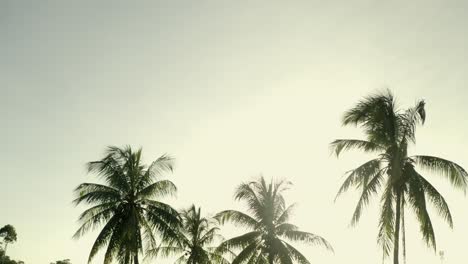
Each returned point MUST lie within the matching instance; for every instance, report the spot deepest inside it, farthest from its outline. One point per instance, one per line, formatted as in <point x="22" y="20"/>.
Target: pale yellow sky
<point x="232" y="89"/>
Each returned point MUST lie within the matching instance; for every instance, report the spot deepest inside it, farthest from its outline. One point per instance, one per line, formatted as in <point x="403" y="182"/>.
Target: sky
<point x="232" y="90"/>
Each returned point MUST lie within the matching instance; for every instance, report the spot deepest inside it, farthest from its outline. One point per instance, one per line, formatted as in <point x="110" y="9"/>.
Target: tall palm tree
<point x="389" y="131"/>
<point x="126" y="204"/>
<point x="269" y="240"/>
<point x="193" y="244"/>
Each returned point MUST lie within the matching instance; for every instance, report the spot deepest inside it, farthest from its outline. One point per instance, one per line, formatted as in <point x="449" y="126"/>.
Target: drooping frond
<point x="162" y="218"/>
<point x="306" y="237"/>
<point x="96" y="193"/>
<point x="284" y="227"/>
<point x="386" y="220"/>
<point x="360" y="176"/>
<point x="437" y="200"/>
<point x="417" y="199"/>
<point x="369" y="188"/>
<point x="158" y="189"/>
<point x="281" y="252"/>
<point x="237" y="218"/>
<point x="296" y="255"/>
<point x="240" y="241"/>
<point x="94" y="217"/>
<point x="104" y="236"/>
<point x="457" y="176"/>
<point x="246" y="253"/>
<point x="341" y="145"/>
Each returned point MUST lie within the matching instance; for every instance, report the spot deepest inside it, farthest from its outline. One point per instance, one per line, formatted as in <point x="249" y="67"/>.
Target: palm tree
<point x="125" y="205"/>
<point x="269" y="240"/>
<point x="193" y="244"/>
<point x="9" y="235"/>
<point x="389" y="131"/>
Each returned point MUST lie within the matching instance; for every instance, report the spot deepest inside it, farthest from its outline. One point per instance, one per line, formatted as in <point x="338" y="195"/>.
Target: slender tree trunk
<point x="403" y="229"/>
<point x="396" y="240"/>
<point x="135" y="260"/>
<point x="5" y="248"/>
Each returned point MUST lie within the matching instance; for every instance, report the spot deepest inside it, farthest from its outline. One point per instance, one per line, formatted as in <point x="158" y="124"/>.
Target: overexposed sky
<point x="232" y="89"/>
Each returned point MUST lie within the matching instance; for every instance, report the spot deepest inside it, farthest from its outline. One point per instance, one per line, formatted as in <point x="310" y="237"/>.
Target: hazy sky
<point x="232" y="89"/>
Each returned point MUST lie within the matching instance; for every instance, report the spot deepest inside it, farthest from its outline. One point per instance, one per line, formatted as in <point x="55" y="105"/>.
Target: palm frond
<point x="437" y="200"/>
<point x="236" y="217"/>
<point x="298" y="256"/>
<point x="96" y="193"/>
<point x="360" y="176"/>
<point x="417" y="199"/>
<point x="457" y="176"/>
<point x="158" y="189"/>
<point x="369" y="188"/>
<point x="239" y="242"/>
<point x="341" y="145"/>
<point x="104" y="236"/>
<point x="248" y="251"/>
<point x="306" y="237"/>
<point x="386" y="220"/>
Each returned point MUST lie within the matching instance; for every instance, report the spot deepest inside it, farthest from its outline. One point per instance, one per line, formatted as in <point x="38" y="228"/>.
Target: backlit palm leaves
<point x="193" y="244"/>
<point x="268" y="240"/>
<point x="124" y="205"/>
<point x="393" y="173"/>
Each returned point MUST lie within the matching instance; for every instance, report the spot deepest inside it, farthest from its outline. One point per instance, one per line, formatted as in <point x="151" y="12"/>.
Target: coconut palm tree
<point x="389" y="131"/>
<point x="125" y="205"/>
<point x="193" y="245"/>
<point x="270" y="233"/>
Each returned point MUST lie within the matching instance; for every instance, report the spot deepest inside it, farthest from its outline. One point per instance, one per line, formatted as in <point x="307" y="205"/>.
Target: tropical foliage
<point x="8" y="233"/>
<point x="125" y="205"/>
<point x="389" y="132"/>
<point x="4" y="259"/>
<point x="268" y="240"/>
<point x="134" y="222"/>
<point x="194" y="242"/>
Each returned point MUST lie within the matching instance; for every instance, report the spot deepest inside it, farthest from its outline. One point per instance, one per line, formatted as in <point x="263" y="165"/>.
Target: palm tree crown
<point x="192" y="245"/>
<point x="125" y="205"/>
<point x="268" y="240"/>
<point x="389" y="131"/>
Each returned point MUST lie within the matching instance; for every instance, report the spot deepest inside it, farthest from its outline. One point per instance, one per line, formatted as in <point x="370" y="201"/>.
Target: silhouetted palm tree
<point x="267" y="242"/>
<point x="125" y="205"/>
<point x="193" y="245"/>
<point x="389" y="131"/>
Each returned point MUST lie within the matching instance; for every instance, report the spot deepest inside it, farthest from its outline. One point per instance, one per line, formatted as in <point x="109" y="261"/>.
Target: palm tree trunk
<point x="403" y="229"/>
<point x="396" y="239"/>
